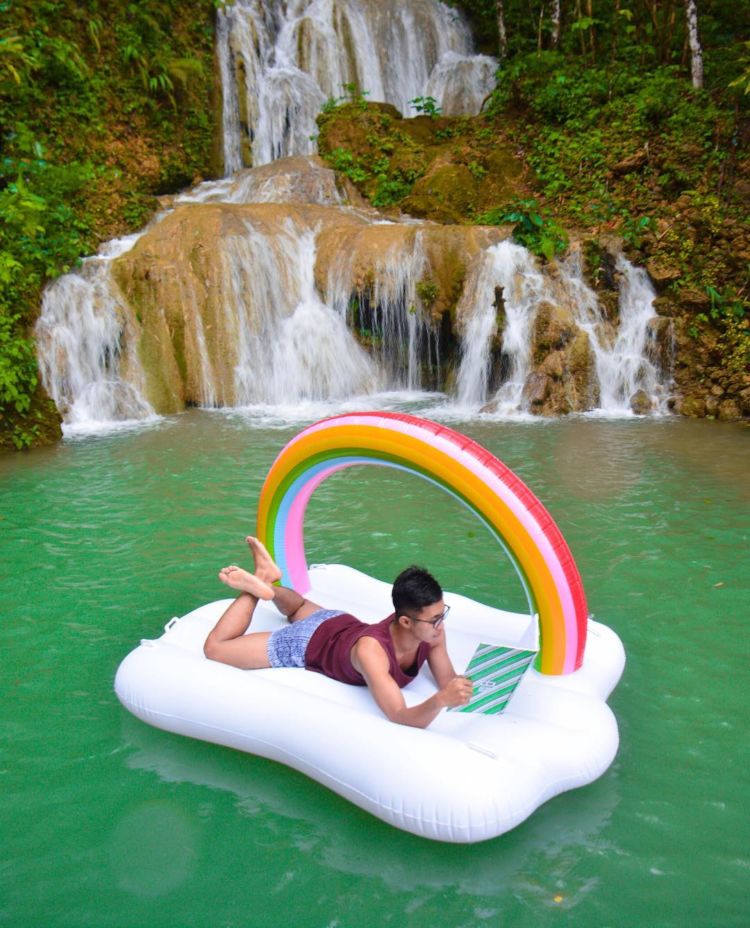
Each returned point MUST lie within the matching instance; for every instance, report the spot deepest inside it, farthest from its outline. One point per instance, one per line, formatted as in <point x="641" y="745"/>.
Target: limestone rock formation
<point x="211" y="281"/>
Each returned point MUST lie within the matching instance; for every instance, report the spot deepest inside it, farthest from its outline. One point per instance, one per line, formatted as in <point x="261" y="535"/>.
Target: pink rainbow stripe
<point x="460" y="466"/>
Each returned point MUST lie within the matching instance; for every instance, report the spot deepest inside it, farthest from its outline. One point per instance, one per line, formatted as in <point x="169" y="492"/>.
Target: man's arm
<point x="440" y="663"/>
<point x="370" y="659"/>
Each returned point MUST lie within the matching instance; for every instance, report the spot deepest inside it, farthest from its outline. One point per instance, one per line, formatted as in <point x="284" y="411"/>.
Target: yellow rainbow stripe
<point x="461" y="467"/>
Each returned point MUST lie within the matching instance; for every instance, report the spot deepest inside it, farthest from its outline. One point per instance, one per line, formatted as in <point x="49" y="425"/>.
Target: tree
<point x="555" y="38"/>
<point x="502" y="38"/>
<point x="696" y="52"/>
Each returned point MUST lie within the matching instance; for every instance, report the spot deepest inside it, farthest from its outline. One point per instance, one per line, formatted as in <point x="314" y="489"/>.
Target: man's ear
<point x="404" y="621"/>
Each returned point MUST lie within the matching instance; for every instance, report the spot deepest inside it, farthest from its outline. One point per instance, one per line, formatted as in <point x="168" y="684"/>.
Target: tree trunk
<point x="579" y="16"/>
<point x="502" y="38"/>
<point x="555" y="38"/>
<point x="696" y="52"/>
<point x="590" y="14"/>
<point x="539" y="30"/>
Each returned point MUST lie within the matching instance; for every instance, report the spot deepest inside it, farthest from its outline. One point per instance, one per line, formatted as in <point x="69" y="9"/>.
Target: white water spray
<point x="623" y="357"/>
<point x="510" y="271"/>
<point x="279" y="67"/>
<point x="391" y="314"/>
<point x="291" y="347"/>
<point x="627" y="369"/>
<point x="86" y="346"/>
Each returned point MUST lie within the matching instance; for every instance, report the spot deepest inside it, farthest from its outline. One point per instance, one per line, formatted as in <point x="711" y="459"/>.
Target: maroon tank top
<point x="329" y="649"/>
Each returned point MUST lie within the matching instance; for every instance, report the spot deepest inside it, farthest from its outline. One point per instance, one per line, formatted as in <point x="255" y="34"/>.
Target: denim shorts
<point x="287" y="645"/>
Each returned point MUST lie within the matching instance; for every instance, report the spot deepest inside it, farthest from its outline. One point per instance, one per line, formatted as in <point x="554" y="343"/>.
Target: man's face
<point x="427" y="624"/>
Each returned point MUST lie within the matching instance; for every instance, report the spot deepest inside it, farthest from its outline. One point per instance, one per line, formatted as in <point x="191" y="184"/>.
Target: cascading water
<point x="624" y="359"/>
<point x="291" y="346"/>
<point x="511" y="270"/>
<point x="622" y="366"/>
<point x="391" y="315"/>
<point x="280" y="65"/>
<point x="626" y="369"/>
<point x="86" y="345"/>
<point x="255" y="317"/>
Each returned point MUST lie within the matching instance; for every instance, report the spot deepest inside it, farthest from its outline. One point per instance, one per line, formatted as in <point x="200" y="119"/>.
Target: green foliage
<point x="427" y="291"/>
<point x="634" y="228"/>
<point x="726" y="304"/>
<point x="18" y="376"/>
<point x="478" y="171"/>
<point x="584" y="126"/>
<point x="427" y="106"/>
<point x="343" y="160"/>
<point x="352" y="95"/>
<point x="389" y="190"/>
<point x="532" y="227"/>
<point x="388" y="160"/>
<point x="85" y="142"/>
<point x="386" y="187"/>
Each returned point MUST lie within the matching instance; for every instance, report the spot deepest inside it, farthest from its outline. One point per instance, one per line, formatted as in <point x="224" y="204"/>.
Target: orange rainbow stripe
<point x="464" y="469"/>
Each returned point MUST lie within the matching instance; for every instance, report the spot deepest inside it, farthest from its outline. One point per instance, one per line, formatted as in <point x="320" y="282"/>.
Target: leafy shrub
<point x="532" y="227"/>
<point x="426" y="105"/>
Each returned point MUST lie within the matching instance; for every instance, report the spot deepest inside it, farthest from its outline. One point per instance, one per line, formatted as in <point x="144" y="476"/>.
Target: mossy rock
<point x="693" y="406"/>
<point x="350" y="125"/>
<point x="39" y="425"/>
<point x="504" y="179"/>
<point x="553" y="329"/>
<point x="599" y="262"/>
<point x="445" y="194"/>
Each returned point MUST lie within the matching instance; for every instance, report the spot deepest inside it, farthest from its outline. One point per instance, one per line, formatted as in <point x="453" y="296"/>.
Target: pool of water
<point x="107" y="822"/>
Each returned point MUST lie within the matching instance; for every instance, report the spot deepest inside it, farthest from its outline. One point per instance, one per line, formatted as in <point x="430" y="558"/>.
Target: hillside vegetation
<point x="103" y="107"/>
<point x="601" y="140"/>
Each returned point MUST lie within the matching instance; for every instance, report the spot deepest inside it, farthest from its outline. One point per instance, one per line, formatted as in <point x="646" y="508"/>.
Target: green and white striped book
<point x="495" y="672"/>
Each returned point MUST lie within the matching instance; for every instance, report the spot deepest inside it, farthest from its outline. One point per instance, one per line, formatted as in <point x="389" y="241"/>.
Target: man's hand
<point x="456" y="693"/>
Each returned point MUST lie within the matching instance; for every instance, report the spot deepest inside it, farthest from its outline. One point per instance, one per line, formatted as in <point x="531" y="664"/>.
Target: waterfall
<point x="280" y="65"/>
<point x="624" y="356"/>
<point x="291" y="347"/>
<point x="390" y="315"/>
<point x="624" y="366"/>
<point x="85" y="342"/>
<point x="461" y="82"/>
<point x="263" y="289"/>
<point x="510" y="270"/>
<point x="626" y="369"/>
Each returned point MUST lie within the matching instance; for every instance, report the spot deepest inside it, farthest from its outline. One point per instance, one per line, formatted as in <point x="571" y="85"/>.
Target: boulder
<point x="692" y="406"/>
<point x="536" y="390"/>
<point x="640" y="403"/>
<point x="661" y="273"/>
<point x="729" y="410"/>
<point x="554" y="327"/>
<point x="661" y="342"/>
<point x="445" y="194"/>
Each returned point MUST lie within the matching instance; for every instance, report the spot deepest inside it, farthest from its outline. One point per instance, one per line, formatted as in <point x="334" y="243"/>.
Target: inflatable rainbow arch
<point x="464" y="469"/>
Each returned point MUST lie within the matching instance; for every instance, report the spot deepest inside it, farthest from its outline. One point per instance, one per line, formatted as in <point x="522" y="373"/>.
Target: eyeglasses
<point x="436" y="622"/>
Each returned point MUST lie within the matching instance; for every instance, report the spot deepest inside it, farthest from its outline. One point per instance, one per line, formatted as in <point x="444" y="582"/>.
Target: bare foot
<point x="265" y="567"/>
<point x="245" y="582"/>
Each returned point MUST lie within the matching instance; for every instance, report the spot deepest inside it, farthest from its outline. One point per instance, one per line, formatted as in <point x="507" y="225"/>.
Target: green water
<point x="107" y="822"/>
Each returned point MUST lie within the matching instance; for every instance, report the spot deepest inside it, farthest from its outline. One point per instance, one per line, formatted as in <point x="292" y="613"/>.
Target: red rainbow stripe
<point x="463" y="468"/>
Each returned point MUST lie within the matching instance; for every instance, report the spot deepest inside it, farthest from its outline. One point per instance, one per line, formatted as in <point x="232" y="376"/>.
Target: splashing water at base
<point x="510" y="272"/>
<point x="625" y="356"/>
<point x="304" y="351"/>
<point x="627" y="368"/>
<point x="86" y="341"/>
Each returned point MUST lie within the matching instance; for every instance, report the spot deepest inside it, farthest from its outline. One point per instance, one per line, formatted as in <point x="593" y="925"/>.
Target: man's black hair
<point x="413" y="589"/>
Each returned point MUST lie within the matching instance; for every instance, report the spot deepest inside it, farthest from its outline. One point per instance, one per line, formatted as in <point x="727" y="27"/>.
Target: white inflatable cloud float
<point x="466" y="778"/>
